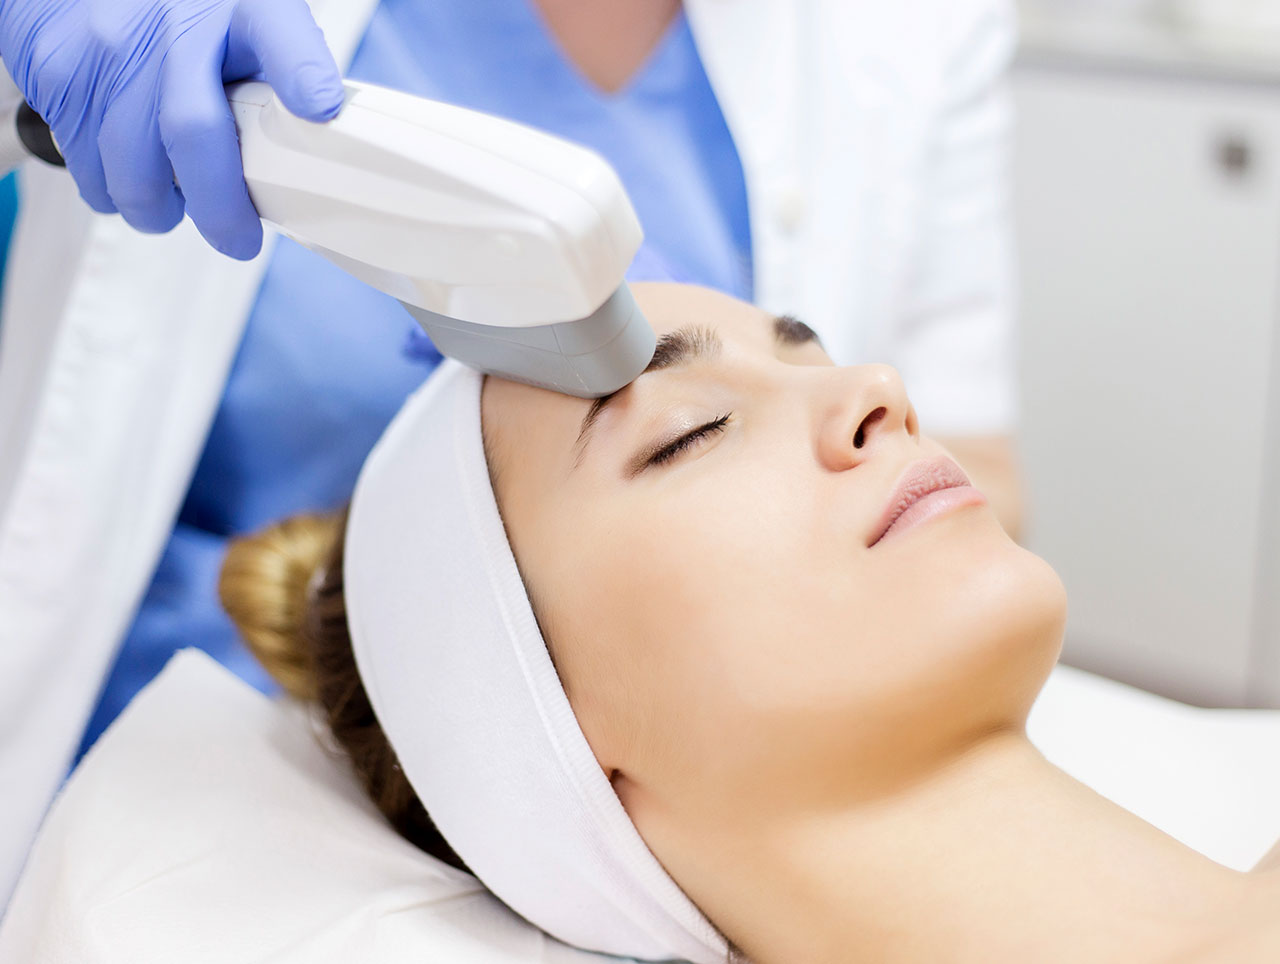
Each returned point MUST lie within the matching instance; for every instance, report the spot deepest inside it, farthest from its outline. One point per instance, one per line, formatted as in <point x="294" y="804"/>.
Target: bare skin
<point x="992" y="462"/>
<point x="821" y="736"/>
<point x="1270" y="861"/>
<point x="609" y="42"/>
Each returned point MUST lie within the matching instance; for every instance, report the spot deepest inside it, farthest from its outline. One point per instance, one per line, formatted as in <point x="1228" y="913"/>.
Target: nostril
<point x="860" y="436"/>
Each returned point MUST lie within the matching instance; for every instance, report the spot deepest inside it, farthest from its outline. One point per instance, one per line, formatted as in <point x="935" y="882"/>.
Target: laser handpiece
<point x="509" y="246"/>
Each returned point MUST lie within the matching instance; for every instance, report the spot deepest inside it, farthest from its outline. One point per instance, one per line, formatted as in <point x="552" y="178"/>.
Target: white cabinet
<point x="1148" y="210"/>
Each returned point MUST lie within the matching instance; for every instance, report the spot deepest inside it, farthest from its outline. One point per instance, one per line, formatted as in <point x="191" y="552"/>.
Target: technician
<point x="166" y="383"/>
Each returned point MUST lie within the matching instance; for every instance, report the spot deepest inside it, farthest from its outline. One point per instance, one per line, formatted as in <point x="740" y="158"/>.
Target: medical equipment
<point x="507" y="245"/>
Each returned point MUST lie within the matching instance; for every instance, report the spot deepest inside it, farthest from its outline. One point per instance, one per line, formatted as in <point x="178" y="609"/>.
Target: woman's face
<point x="704" y="565"/>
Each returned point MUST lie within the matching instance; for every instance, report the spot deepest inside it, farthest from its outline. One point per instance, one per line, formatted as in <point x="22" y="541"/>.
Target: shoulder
<point x="1250" y="935"/>
<point x="1270" y="861"/>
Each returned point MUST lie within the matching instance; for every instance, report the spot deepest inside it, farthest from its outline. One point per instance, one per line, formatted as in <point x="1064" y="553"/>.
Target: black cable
<point x="36" y="136"/>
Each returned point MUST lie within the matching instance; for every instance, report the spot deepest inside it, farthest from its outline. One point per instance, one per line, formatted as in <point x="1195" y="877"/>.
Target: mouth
<point x="926" y="489"/>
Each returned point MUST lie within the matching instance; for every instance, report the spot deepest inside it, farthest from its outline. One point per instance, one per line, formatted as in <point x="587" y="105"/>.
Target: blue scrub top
<point x="327" y="361"/>
<point x="8" y="215"/>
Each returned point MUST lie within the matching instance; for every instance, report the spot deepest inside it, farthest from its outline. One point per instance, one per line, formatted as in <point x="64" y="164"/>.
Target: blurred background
<point x="1148" y="209"/>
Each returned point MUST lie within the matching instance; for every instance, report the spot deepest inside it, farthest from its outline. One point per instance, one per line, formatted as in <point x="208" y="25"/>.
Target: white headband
<point x="461" y="681"/>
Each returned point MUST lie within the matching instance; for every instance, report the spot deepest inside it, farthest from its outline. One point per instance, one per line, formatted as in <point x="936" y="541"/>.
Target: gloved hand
<point x="132" y="90"/>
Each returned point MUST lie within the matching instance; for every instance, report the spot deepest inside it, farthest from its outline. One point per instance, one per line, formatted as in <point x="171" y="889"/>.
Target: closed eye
<point x="674" y="449"/>
<point x="678" y="347"/>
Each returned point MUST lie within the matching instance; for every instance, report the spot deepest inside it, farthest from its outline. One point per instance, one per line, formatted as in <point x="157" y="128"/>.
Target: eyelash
<point x="669" y="452"/>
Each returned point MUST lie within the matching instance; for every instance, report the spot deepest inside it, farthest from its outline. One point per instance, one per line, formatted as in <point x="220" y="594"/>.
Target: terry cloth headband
<point x="462" y="683"/>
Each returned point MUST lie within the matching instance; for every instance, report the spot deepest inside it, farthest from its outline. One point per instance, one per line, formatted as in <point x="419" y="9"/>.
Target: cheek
<point x="967" y="629"/>
<point x="744" y="633"/>
<point x="805" y="664"/>
<point x="710" y="607"/>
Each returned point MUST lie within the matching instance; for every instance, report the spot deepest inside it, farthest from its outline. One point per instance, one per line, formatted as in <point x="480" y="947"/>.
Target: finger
<point x="138" y="175"/>
<point x="73" y="122"/>
<point x="84" y="163"/>
<point x="278" y="40"/>
<point x="199" y="137"/>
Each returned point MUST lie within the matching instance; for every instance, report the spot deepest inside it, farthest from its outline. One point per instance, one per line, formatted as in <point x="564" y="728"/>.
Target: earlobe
<point x="622" y="787"/>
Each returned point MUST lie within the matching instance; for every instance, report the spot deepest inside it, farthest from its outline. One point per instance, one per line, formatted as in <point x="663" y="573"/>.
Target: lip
<point x="926" y="489"/>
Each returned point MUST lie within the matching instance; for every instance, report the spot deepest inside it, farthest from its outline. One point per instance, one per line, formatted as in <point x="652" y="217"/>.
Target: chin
<point x="1025" y="606"/>
<point x="1007" y="583"/>
<point x="998" y="622"/>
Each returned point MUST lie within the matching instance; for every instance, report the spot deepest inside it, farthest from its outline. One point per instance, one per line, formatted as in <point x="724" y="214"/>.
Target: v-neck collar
<point x="635" y="84"/>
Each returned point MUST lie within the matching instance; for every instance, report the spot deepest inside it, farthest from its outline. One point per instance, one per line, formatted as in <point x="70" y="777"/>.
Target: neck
<point x="996" y="856"/>
<point x="608" y="42"/>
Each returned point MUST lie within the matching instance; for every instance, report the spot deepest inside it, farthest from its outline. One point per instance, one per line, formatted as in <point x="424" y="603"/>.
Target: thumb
<point x="279" y="42"/>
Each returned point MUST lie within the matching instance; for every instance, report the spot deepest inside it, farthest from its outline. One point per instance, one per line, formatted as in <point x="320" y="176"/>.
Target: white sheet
<point x="1210" y="778"/>
<point x="208" y="824"/>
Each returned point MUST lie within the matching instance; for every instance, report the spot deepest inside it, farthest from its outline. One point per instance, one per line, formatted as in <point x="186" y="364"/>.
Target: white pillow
<point x="209" y="825"/>
<point x="1207" y="777"/>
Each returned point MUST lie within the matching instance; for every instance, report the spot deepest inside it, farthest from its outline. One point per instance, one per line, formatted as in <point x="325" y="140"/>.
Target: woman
<point x="845" y="161"/>
<point x="799" y="651"/>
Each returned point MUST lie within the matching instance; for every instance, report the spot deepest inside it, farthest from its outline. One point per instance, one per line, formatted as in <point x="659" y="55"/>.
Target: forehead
<point x="511" y="407"/>
<point x="530" y="432"/>
<point x="671" y="306"/>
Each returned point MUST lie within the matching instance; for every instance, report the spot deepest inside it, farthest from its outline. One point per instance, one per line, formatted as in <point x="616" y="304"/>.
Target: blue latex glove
<point x="132" y="90"/>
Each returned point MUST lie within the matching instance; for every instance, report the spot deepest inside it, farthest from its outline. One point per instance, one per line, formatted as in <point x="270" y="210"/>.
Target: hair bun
<point x="266" y="588"/>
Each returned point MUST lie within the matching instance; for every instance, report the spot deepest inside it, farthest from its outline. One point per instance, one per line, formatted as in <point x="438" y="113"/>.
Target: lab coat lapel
<point x="749" y="51"/>
<point x="138" y="359"/>
<point x="826" y="114"/>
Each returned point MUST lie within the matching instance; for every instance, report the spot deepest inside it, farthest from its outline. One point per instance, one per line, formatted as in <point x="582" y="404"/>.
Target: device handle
<point x="34" y="135"/>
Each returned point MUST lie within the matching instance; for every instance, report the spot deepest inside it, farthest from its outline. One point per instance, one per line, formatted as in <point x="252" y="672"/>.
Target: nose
<point x="859" y="409"/>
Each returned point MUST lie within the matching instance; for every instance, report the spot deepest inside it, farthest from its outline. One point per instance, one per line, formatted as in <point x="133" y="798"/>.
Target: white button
<point x="789" y="209"/>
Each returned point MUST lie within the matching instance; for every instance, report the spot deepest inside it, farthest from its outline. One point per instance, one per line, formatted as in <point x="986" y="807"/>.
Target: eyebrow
<point x="688" y="344"/>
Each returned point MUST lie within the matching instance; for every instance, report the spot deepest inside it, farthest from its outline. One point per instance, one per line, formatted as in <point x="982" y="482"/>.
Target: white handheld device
<point x="508" y="245"/>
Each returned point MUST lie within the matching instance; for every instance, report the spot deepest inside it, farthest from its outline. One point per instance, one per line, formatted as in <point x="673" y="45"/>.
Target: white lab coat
<point x="873" y="143"/>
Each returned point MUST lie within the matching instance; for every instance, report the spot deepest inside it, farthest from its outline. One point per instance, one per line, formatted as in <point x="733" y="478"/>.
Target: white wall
<point x="1148" y="208"/>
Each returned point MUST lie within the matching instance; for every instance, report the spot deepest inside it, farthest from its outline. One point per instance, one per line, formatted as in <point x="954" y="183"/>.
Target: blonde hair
<point x="267" y="579"/>
<point x="282" y="587"/>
